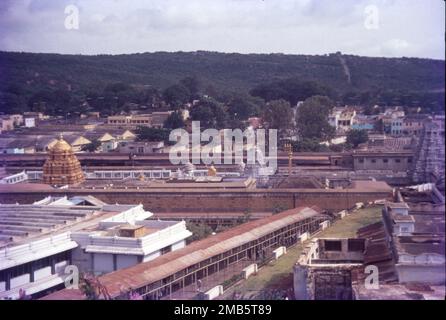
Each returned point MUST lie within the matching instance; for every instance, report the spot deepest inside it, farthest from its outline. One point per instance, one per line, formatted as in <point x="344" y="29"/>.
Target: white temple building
<point x="39" y="241"/>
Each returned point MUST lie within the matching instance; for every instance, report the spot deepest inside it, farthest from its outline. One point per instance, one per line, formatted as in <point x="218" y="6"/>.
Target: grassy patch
<point x="347" y="227"/>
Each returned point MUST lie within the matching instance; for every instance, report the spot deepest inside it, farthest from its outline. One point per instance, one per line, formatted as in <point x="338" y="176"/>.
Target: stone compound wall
<point x="214" y="200"/>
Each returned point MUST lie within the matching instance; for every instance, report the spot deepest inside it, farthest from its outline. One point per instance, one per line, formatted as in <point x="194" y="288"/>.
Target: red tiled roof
<point x="172" y="262"/>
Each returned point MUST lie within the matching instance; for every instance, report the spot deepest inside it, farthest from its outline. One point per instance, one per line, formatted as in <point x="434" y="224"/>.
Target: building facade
<point x="82" y="234"/>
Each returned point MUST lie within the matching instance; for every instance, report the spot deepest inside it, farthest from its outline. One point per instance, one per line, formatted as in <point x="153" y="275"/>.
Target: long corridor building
<point x="171" y="274"/>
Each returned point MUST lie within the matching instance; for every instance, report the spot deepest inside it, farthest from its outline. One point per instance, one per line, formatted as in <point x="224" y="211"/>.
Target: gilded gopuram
<point x="62" y="166"/>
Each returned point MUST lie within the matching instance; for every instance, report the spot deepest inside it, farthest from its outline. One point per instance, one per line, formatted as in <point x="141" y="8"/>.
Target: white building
<point x="417" y="233"/>
<point x="14" y="178"/>
<point x="39" y="241"/>
<point x="30" y="122"/>
<point x="342" y="118"/>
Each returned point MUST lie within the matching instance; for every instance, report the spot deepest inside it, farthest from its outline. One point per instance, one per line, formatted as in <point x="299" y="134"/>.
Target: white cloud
<point x="406" y="27"/>
<point x="395" y="47"/>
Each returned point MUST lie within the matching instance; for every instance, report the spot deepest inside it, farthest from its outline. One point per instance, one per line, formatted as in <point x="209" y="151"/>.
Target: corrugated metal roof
<point x="149" y="272"/>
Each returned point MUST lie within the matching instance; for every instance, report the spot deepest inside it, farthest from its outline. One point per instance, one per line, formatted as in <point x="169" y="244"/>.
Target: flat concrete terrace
<point x="164" y="157"/>
<point x="181" y="269"/>
<point x="210" y="215"/>
<point x="22" y="223"/>
<point x="199" y="183"/>
<point x="399" y="292"/>
<point x="41" y="239"/>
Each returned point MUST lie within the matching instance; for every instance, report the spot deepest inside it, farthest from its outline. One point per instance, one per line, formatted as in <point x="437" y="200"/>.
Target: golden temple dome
<point x="61" y="145"/>
<point x="212" y="172"/>
<point x="62" y="166"/>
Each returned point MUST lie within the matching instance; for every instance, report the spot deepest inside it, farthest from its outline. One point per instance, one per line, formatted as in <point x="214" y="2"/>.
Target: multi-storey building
<point x="42" y="243"/>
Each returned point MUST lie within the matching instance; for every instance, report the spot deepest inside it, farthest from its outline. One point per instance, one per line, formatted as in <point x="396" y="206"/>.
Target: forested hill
<point x="234" y="72"/>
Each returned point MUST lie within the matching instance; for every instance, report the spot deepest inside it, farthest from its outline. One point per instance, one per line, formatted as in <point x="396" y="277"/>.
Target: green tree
<point x="210" y="113"/>
<point x="292" y="90"/>
<point x="176" y="95"/>
<point x="117" y="87"/>
<point x="53" y="102"/>
<point x="193" y="84"/>
<point x="242" y="107"/>
<point x="278" y="209"/>
<point x="12" y="103"/>
<point x="339" y="147"/>
<point x="92" y="146"/>
<point x="151" y="134"/>
<point x="199" y="231"/>
<point x="278" y="115"/>
<point x="312" y="119"/>
<point x="309" y="145"/>
<point x="174" y="121"/>
<point x="356" y="136"/>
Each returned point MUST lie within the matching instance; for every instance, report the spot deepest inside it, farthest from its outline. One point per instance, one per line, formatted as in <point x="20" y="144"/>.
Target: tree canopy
<point x="383" y="81"/>
<point x="174" y="121"/>
<point x="356" y="136"/>
<point x="176" y="95"/>
<point x="152" y="134"/>
<point x="242" y="107"/>
<point x="292" y="90"/>
<point x="312" y="119"/>
<point x="210" y="113"/>
<point x="278" y="115"/>
<point x="92" y="146"/>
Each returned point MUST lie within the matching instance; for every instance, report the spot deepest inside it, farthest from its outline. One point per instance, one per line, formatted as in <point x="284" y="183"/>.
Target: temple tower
<point x="429" y="160"/>
<point x="62" y="166"/>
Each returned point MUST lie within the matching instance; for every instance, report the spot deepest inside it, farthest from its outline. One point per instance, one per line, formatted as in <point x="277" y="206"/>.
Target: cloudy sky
<point x="391" y="28"/>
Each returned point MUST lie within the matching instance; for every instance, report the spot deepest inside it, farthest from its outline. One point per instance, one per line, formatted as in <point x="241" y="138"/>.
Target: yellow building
<point x="76" y="142"/>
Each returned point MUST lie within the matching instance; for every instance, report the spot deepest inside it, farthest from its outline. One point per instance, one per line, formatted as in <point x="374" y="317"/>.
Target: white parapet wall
<point x="324" y="224"/>
<point x="359" y="205"/>
<point x="343" y="214"/>
<point x="280" y="251"/>
<point x="20" y="280"/>
<point x="249" y="270"/>
<point x="15" y="178"/>
<point x="213" y="293"/>
<point x="304" y="236"/>
<point x="42" y="273"/>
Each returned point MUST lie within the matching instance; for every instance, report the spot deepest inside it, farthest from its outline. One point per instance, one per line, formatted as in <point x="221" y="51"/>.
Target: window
<point x="385" y="160"/>
<point x="361" y="160"/>
<point x="355" y="245"/>
<point x="373" y="161"/>
<point x="397" y="160"/>
<point x="331" y="245"/>
<point x="166" y="250"/>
